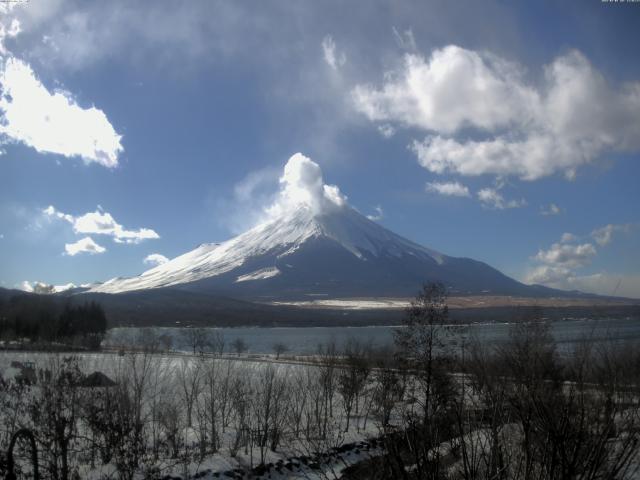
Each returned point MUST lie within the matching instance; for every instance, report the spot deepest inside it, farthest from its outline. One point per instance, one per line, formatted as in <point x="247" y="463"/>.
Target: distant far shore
<point x="332" y="316"/>
<point x="471" y="301"/>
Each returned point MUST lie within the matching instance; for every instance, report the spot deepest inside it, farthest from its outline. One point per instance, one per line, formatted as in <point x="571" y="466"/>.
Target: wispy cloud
<point x="333" y="58"/>
<point x="404" y="39"/>
<point x="492" y="198"/>
<point x="101" y="223"/>
<point x="550" y="210"/>
<point x="386" y="130"/>
<point x="604" y="235"/>
<point x="450" y="189"/>
<point x="379" y="215"/>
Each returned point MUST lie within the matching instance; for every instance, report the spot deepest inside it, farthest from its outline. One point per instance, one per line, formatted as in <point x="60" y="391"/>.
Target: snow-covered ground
<point x="351" y="304"/>
<point x="166" y="381"/>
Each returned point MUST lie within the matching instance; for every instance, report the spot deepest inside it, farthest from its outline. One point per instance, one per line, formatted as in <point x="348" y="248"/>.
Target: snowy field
<point x="202" y="415"/>
<point x="182" y="416"/>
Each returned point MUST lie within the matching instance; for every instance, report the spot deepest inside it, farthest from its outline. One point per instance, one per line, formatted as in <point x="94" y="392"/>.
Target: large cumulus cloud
<point x="520" y="129"/>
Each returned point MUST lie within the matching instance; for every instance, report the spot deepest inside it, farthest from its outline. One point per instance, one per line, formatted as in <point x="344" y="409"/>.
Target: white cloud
<point x="102" y="223"/>
<point x="386" y="130"/>
<point x="53" y="122"/>
<point x="155" y="259"/>
<point x="270" y="192"/>
<point x="84" y="245"/>
<point x="559" y="262"/>
<point x="302" y="184"/>
<point x="453" y="89"/>
<point x="52" y="212"/>
<point x="603" y="236"/>
<point x="551" y="276"/>
<point x="452" y="189"/>
<point x="9" y="31"/>
<point x="492" y="198"/>
<point x="530" y="132"/>
<point x="604" y="283"/>
<point x="601" y="283"/>
<point x="44" y="288"/>
<point x="379" y="215"/>
<point x="558" y="268"/>
<point x="334" y="59"/>
<point x="567" y="256"/>
<point x="551" y="209"/>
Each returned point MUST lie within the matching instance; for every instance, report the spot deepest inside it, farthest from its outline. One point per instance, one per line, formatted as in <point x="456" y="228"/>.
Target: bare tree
<point x="197" y="339"/>
<point x="279" y="348"/>
<point x="216" y="342"/>
<point x="424" y="345"/>
<point x="189" y="379"/>
<point x="269" y="408"/>
<point x="240" y="395"/>
<point x="54" y="411"/>
<point x="329" y="358"/>
<point x="213" y="400"/>
<point x="239" y="346"/>
<point x="389" y="387"/>
<point x="353" y="377"/>
<point x="170" y="423"/>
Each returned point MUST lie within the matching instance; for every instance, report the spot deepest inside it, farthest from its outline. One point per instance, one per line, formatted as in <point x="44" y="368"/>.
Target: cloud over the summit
<point x="523" y="130"/>
<point x="302" y="184"/>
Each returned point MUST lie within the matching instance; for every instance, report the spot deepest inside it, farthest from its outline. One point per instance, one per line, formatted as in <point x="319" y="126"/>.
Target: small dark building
<point x="96" y="379"/>
<point x="27" y="373"/>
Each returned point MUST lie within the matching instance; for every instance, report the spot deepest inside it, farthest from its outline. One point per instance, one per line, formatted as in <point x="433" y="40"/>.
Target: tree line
<point x="29" y="318"/>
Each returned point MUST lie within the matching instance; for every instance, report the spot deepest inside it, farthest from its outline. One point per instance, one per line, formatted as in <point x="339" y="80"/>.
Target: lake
<point x="304" y="341"/>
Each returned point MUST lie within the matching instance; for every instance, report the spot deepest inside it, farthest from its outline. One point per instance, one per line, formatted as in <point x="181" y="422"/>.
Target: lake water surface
<point x="306" y="340"/>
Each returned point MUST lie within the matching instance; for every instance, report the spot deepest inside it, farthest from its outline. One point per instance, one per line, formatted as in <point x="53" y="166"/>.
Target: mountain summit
<point x="315" y="245"/>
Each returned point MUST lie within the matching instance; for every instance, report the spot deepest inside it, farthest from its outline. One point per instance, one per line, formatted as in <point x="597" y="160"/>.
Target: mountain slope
<point x="335" y="253"/>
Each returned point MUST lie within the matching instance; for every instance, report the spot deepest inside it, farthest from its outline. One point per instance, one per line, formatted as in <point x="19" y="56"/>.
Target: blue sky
<point x="508" y="132"/>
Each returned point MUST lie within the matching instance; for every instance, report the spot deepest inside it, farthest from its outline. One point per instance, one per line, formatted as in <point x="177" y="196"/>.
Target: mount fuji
<point x="314" y="245"/>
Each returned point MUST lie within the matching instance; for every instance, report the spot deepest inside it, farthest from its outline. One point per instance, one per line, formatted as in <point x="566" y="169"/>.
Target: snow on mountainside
<point x="277" y="238"/>
<point x="314" y="244"/>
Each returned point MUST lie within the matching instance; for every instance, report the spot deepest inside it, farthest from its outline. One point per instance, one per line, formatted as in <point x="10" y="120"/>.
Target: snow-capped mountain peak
<point x="314" y="243"/>
<point x="276" y="238"/>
